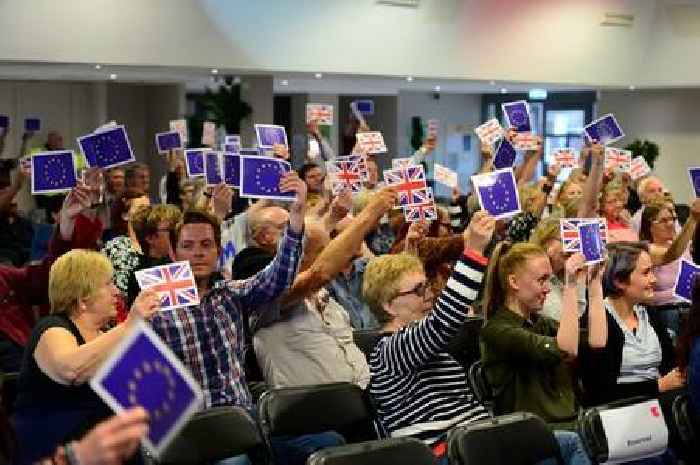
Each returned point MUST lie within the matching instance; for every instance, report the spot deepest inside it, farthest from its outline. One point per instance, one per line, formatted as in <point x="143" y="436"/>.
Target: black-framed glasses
<point x="420" y="290"/>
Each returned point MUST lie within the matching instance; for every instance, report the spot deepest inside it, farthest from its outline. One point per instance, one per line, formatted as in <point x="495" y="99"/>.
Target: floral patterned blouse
<point x="124" y="259"/>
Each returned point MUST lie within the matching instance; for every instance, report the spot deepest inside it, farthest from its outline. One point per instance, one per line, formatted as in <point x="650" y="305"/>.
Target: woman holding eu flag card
<point x="55" y="403"/>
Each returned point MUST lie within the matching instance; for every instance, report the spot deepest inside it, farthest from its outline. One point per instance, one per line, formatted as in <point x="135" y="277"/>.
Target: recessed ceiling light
<point x="113" y="76"/>
<point x="436" y="88"/>
<point x="318" y="75"/>
<point x="98" y="66"/>
<point x="214" y="71"/>
<point x="493" y="83"/>
<point x="409" y="78"/>
<point x="504" y="90"/>
<point x="284" y="82"/>
<point x="632" y="87"/>
<point x="237" y="80"/>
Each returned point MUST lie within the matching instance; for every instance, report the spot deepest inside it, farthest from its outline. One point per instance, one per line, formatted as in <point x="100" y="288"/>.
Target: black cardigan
<point x="600" y="368"/>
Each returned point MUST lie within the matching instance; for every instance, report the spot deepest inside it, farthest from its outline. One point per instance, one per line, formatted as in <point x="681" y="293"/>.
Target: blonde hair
<point x="381" y="279"/>
<point x="564" y="186"/>
<point x="76" y="275"/>
<point x="360" y="201"/>
<point x="547" y="230"/>
<point x="505" y="259"/>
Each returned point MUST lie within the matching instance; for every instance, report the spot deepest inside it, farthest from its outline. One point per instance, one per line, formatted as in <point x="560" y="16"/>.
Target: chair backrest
<point x="340" y="407"/>
<point x="638" y="430"/>
<point x="480" y="384"/>
<point x="214" y="434"/>
<point x="516" y="439"/>
<point x="382" y="452"/>
<point x="682" y="417"/>
<point x="365" y="339"/>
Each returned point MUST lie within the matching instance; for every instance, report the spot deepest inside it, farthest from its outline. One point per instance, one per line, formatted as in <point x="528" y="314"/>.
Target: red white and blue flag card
<point x="618" y="159"/>
<point x="174" y="283"/>
<point x="371" y="142"/>
<point x="397" y="163"/>
<point x="446" y="176"/>
<point x="143" y="371"/>
<point x="320" y="112"/>
<point x="422" y="211"/>
<point x="180" y="125"/>
<point x="566" y="157"/>
<point x="525" y="141"/>
<point x="209" y="134"/>
<point x="639" y="168"/>
<point x="410" y="182"/>
<point x="570" y="238"/>
<point x="490" y="131"/>
<point x="346" y="174"/>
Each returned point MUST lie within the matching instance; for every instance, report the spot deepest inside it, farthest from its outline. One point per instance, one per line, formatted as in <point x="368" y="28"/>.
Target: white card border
<point x="221" y="166"/>
<point x="187" y="163"/>
<point x="323" y="105"/>
<point x="186" y="135"/>
<point x="115" y="356"/>
<point x="119" y="127"/>
<point x="494" y="173"/>
<point x="274" y="126"/>
<point x="501" y="137"/>
<point x="611" y="141"/>
<point x="517" y="102"/>
<point x="223" y="169"/>
<point x="385" y="149"/>
<point x="139" y="273"/>
<point x="568" y="149"/>
<point x="257" y="196"/>
<point x="161" y="152"/>
<point x="602" y="257"/>
<point x="678" y="278"/>
<point x="52" y="191"/>
<point x="692" y="184"/>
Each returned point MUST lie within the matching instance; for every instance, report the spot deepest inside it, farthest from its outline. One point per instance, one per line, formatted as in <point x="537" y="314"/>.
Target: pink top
<point x="620" y="232"/>
<point x="665" y="282"/>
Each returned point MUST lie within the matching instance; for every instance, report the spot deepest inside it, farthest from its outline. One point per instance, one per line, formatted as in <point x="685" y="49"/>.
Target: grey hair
<point x="622" y="260"/>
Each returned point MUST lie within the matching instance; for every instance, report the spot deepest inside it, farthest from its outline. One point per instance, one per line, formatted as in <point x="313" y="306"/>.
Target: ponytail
<point x="505" y="259"/>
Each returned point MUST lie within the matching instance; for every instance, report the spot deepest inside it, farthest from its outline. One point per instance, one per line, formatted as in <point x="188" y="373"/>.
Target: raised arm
<point x="663" y="255"/>
<point x="594" y="183"/>
<point x="526" y="170"/>
<point x="414" y="345"/>
<point x="568" y="333"/>
<point x="597" y="319"/>
<point x="428" y="146"/>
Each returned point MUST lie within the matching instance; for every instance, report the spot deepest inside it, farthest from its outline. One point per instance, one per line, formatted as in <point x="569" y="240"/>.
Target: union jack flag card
<point x="687" y="273"/>
<point x="618" y="159"/>
<point x="639" y="168"/>
<point x="490" y="131"/>
<point x="498" y="193"/>
<point x="319" y="112"/>
<point x="517" y="115"/>
<point x="166" y="141"/>
<point x="446" y="176"/>
<point x="505" y="155"/>
<point x="566" y="158"/>
<point x="143" y="371"/>
<point x="268" y="135"/>
<point x="694" y="174"/>
<point x="180" y="125"/>
<point x="361" y="161"/>
<point x="346" y="174"/>
<point x="605" y="130"/>
<point x="422" y="211"/>
<point x="194" y="162"/>
<point x="570" y="238"/>
<point x="209" y="134"/>
<point x="53" y="172"/>
<point x="401" y="162"/>
<point x="525" y="141"/>
<point x="410" y="183"/>
<point x="592" y="246"/>
<point x="371" y="142"/>
<point x="433" y="127"/>
<point x="212" y="168"/>
<point x="174" y="283"/>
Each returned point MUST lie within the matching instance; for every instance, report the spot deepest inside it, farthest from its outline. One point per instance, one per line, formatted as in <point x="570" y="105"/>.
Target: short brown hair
<point x="146" y="221"/>
<point x="199" y="216"/>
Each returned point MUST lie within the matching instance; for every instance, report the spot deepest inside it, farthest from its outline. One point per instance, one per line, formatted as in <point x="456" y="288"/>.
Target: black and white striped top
<point x="419" y="389"/>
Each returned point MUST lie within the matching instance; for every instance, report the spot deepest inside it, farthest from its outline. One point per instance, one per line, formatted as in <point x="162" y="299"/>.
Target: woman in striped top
<point x="419" y="389"/>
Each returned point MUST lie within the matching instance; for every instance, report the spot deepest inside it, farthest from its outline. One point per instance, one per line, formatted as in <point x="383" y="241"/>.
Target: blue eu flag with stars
<point x="505" y="155"/>
<point x="53" y="172"/>
<point x="498" y="193"/>
<point x="591" y="243"/>
<point x="260" y="178"/>
<point x="687" y="273"/>
<point x="605" y="130"/>
<point x="144" y="372"/>
<point x="108" y="148"/>
<point x="232" y="169"/>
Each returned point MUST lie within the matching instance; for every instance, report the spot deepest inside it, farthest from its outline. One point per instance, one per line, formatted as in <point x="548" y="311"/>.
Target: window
<point x="563" y="129"/>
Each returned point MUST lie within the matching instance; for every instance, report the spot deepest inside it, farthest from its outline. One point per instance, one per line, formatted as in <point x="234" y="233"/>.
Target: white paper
<point x="635" y="432"/>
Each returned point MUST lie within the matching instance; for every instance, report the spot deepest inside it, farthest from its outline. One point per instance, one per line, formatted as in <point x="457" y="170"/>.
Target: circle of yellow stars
<point x="144" y="370"/>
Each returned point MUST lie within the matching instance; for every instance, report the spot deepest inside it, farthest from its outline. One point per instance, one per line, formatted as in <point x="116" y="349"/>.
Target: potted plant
<point x="222" y="106"/>
<point x="647" y="149"/>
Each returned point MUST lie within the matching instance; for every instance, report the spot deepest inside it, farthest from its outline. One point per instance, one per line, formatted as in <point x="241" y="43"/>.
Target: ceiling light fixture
<point x="318" y="75"/>
<point x="98" y="66"/>
<point x="437" y="88"/>
<point x="284" y="82"/>
<point x="113" y="77"/>
<point x="632" y="87"/>
<point x="492" y="83"/>
<point x="409" y="78"/>
<point x="214" y="71"/>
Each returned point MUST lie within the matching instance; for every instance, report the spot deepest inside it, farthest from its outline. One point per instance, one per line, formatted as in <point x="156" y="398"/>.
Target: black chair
<point x="214" y="434"/>
<point x="382" y="452"/>
<point x="295" y="411"/>
<point x="8" y="385"/>
<point x="515" y="439"/>
<point x="480" y="385"/>
<point x="687" y="426"/>
<point x="365" y="339"/>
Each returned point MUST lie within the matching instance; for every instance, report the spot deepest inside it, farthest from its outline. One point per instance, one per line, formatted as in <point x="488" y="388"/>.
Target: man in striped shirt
<point x="420" y="390"/>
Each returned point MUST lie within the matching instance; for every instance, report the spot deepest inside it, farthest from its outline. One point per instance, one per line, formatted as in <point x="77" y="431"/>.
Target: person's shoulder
<point x="59" y="320"/>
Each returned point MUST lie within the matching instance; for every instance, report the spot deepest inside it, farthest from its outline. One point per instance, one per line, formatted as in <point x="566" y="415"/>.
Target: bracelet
<point x="69" y="450"/>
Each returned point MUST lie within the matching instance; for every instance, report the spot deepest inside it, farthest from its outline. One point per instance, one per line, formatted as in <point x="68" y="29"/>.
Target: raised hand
<point x="430" y="144"/>
<point x="341" y="205"/>
<point x="145" y="305"/>
<point x="574" y="268"/>
<point x="221" y="197"/>
<point x="553" y="170"/>
<point x="115" y="440"/>
<point x="290" y="182"/>
<point x="479" y="232"/>
<point x="416" y="233"/>
<point x="280" y="151"/>
<point x="695" y="211"/>
<point x="382" y="202"/>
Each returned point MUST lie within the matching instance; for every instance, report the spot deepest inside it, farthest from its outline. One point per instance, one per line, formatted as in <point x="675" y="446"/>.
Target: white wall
<point x="536" y="41"/>
<point x="460" y="110"/>
<point x="667" y="117"/>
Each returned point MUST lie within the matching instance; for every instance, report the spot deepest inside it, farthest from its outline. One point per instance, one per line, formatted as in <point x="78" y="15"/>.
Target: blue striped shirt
<point x="209" y="338"/>
<point x="419" y="389"/>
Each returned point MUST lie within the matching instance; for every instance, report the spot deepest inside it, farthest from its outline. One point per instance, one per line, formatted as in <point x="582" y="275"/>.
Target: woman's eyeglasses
<point x="667" y="220"/>
<point x="419" y="290"/>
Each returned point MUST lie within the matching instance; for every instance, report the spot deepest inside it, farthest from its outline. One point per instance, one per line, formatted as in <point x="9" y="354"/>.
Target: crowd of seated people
<point x="556" y="335"/>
